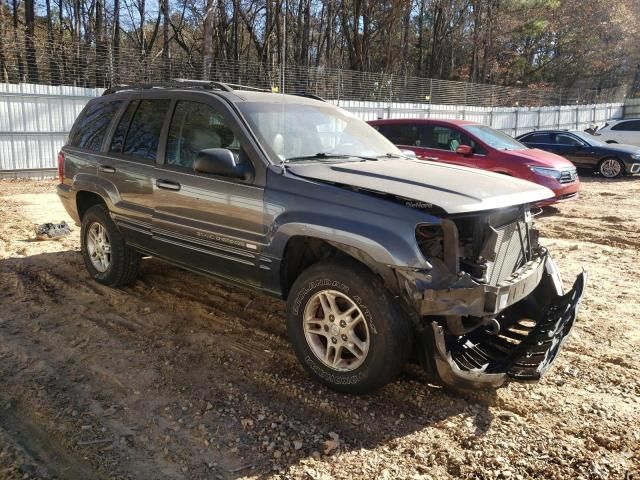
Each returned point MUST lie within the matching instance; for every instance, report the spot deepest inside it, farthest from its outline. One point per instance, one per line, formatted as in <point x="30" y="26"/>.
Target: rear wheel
<point x="345" y="328"/>
<point x="108" y="259"/>
<point x="610" y="168"/>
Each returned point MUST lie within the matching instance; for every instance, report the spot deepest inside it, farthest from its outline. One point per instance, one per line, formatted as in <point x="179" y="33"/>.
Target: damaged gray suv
<point x="381" y="258"/>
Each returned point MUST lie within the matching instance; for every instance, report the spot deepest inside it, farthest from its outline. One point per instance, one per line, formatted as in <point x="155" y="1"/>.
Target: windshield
<point x="590" y="139"/>
<point x="494" y="138"/>
<point x="308" y="131"/>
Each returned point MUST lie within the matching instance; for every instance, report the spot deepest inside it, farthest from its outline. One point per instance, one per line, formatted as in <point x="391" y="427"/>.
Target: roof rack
<point x="183" y="83"/>
<point x="310" y="95"/>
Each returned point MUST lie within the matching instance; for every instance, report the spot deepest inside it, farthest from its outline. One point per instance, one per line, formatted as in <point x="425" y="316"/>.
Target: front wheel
<point x="345" y="328"/>
<point x="611" y="168"/>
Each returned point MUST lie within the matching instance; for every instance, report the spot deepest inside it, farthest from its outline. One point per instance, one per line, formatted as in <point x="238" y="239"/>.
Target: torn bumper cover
<point x="532" y="332"/>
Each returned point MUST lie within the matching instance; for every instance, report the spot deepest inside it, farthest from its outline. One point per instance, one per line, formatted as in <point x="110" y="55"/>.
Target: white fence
<point x="632" y="108"/>
<point x="35" y="120"/>
<point x="514" y="121"/>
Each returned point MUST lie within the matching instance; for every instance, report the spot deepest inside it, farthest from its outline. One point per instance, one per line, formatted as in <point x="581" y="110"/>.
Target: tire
<point x="376" y="324"/>
<point x="610" y="168"/>
<point x="115" y="266"/>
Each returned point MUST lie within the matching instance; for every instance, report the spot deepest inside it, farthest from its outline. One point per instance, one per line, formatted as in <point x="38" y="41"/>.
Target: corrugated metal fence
<point x="35" y="119"/>
<point x="513" y="121"/>
<point x="632" y="108"/>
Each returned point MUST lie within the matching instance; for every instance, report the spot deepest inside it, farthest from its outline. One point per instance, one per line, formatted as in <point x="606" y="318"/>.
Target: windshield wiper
<point x="324" y="156"/>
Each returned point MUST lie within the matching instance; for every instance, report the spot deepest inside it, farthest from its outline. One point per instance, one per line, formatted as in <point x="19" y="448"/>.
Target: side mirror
<point x="408" y="153"/>
<point x="219" y="161"/>
<point x="464" y="150"/>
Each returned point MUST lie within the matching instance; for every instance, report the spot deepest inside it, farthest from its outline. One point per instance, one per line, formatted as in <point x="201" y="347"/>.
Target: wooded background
<point x="546" y="45"/>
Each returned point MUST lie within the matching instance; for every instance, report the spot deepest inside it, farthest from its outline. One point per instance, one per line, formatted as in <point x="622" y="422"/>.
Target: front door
<point x="208" y="223"/>
<point x="574" y="149"/>
<point x="439" y="142"/>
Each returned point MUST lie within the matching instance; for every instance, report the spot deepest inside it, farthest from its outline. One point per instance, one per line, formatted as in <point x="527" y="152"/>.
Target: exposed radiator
<point x="511" y="251"/>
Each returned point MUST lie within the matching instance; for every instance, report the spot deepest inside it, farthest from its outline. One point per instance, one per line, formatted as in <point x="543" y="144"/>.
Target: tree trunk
<point x="207" y="40"/>
<point x="29" y="41"/>
<point x="166" y="65"/>
<point x="16" y="43"/>
<point x="115" y="45"/>
<point x="100" y="45"/>
<point x="4" y="74"/>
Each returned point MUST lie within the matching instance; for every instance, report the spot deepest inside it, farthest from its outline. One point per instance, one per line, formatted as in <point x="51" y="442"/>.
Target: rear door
<point x="129" y="166"/>
<point x="205" y="222"/>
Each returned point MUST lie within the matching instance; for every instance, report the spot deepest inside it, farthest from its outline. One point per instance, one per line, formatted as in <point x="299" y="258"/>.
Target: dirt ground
<point x="179" y="376"/>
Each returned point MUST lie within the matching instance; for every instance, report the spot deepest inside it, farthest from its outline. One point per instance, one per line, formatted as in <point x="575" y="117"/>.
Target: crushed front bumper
<point x="532" y="333"/>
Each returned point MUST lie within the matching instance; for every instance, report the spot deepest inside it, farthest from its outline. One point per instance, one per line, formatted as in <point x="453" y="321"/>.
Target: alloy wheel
<point x="336" y="330"/>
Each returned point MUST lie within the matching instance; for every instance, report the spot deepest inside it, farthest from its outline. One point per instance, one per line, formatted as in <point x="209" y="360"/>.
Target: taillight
<point x="61" y="166"/>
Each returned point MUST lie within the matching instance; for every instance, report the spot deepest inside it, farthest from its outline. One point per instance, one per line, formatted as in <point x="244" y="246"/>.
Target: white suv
<point x="620" y="131"/>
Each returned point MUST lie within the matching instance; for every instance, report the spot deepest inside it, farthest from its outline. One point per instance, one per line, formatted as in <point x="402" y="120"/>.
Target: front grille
<point x="568" y="175"/>
<point x="511" y="251"/>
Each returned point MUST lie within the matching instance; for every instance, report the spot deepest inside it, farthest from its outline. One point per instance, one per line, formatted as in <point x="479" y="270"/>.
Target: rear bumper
<point x="532" y="333"/>
<point x="68" y="198"/>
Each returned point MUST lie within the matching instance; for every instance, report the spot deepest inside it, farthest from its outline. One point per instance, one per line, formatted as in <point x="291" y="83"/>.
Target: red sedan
<point x="473" y="145"/>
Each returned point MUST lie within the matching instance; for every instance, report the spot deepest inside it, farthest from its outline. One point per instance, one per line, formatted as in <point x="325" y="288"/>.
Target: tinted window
<point x="401" y="134"/>
<point x="537" y="138"/>
<point x="567" y="140"/>
<point x="117" y="142"/>
<point x="631" y="126"/>
<point x="143" y="135"/>
<point x="93" y="124"/>
<point x="195" y="127"/>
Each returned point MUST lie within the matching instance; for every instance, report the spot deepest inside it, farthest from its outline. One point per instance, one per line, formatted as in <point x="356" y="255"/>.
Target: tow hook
<point x="493" y="327"/>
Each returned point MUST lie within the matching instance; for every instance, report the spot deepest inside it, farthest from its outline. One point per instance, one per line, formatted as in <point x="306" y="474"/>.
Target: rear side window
<point x="567" y="140"/>
<point x="538" y="138"/>
<point x="138" y="134"/>
<point x="400" y="134"/>
<point x="93" y="124"/>
<point x="631" y="126"/>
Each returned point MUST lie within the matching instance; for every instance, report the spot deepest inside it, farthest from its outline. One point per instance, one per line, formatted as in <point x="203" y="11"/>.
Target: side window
<point x="401" y="134"/>
<point x="92" y="126"/>
<point x="445" y="138"/>
<point x="117" y="142"/>
<point x="143" y="136"/>
<point x="537" y="138"/>
<point x="567" y="140"/>
<point x="195" y="127"/>
<point x="629" y="126"/>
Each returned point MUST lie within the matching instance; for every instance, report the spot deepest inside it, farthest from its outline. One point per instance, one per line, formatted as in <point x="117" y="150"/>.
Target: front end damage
<point x="492" y="307"/>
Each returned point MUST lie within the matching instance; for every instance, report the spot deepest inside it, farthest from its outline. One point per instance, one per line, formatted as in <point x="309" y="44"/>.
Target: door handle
<point x="168" y="185"/>
<point x="107" y="169"/>
<point x="424" y="157"/>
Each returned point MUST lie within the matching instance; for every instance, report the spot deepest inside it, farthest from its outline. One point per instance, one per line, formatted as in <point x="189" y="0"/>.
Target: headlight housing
<point x="546" y="172"/>
<point x="636" y="156"/>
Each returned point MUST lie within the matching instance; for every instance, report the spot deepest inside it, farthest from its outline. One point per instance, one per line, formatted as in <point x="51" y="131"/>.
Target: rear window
<point x="92" y="125"/>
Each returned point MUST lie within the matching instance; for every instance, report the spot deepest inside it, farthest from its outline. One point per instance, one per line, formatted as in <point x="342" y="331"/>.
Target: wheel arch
<point x="303" y="251"/>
